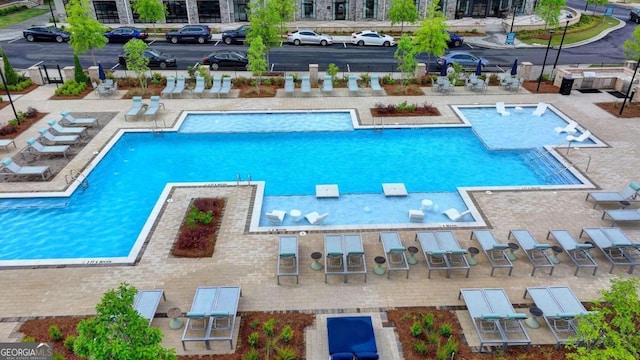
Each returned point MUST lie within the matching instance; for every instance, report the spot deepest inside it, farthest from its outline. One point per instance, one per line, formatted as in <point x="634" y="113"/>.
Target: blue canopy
<point x="101" y="74"/>
<point x="514" y="68"/>
<point x="479" y="68"/>
<point x="443" y="70"/>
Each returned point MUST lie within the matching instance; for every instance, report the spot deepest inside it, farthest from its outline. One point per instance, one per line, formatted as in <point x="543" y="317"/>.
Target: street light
<point x="513" y="19"/>
<point x="544" y="62"/>
<point x="6" y="88"/>
<point x="560" y="48"/>
<point x="629" y="88"/>
<point x="53" y="17"/>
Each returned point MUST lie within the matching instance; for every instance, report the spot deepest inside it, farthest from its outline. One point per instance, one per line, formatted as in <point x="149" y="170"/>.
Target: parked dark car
<point x="126" y="33"/>
<point x="46" y="33"/>
<point x="235" y="36"/>
<point x="634" y="15"/>
<point x="198" y="33"/>
<point x="156" y="59"/>
<point x="226" y="59"/>
<point x="455" y="40"/>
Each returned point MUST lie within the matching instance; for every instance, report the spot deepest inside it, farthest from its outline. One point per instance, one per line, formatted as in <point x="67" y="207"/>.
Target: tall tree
<point x="150" y="10"/>
<point x="596" y="3"/>
<point x="10" y="75"/>
<point x="406" y="58"/>
<point x="611" y="330"/>
<point x="432" y="36"/>
<point x="136" y="61"/>
<point x="285" y="10"/>
<point x="87" y="33"/>
<point x="549" y="11"/>
<point x="118" y="331"/>
<point x="263" y="18"/>
<point x="402" y="11"/>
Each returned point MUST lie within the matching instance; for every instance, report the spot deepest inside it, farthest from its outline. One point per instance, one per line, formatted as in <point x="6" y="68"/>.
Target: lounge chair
<point x="327" y="85"/>
<point x="154" y="107"/>
<point x="616" y="246"/>
<point x="536" y="252"/>
<point x="344" y="255"/>
<point x="455" y="215"/>
<point x="287" y="257"/>
<point x="540" y="109"/>
<point x="305" y="87"/>
<point x="471" y="82"/>
<point x="199" y="88"/>
<point x="276" y="217"/>
<point x="621" y="215"/>
<point x="314" y="218"/>
<point x="34" y="147"/>
<point x="353" y="85"/>
<point x="479" y="86"/>
<point x="11" y="169"/>
<point x="506" y="81"/>
<point x="570" y="128"/>
<point x="442" y="251"/>
<point x="225" y="88"/>
<point x="146" y="303"/>
<point x="51" y="139"/>
<point x="171" y="84"/>
<point x="496" y="321"/>
<point x="495" y="251"/>
<point x="584" y="136"/>
<point x="394" y="252"/>
<point x="180" y="86"/>
<point x="630" y="192"/>
<point x="217" y="84"/>
<point x="4" y="143"/>
<point x="578" y="253"/>
<point x="501" y="110"/>
<point x="447" y="87"/>
<point x="212" y="315"/>
<point x="351" y="337"/>
<point x="289" y="85"/>
<point x="63" y="130"/>
<point x="375" y="85"/>
<point x="137" y="107"/>
<point x="560" y="309"/>
<point x="416" y="215"/>
<point x="68" y="119"/>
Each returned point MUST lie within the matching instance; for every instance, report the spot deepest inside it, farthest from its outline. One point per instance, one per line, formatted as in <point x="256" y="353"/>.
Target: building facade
<point x="234" y="11"/>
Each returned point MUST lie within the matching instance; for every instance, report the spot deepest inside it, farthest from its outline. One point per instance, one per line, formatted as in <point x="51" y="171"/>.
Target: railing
<point x="571" y="165"/>
<point x="75" y="175"/>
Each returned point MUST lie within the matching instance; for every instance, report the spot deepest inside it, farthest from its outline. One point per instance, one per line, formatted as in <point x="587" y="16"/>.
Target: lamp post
<point x="513" y="19"/>
<point x="6" y="88"/>
<point x="544" y="62"/>
<point x="560" y="48"/>
<point x="53" y="17"/>
<point x="629" y="88"/>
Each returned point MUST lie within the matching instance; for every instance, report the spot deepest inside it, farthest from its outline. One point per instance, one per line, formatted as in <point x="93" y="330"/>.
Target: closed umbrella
<point x="101" y="75"/>
<point x="479" y="68"/>
<point x="443" y="70"/>
<point x="514" y="68"/>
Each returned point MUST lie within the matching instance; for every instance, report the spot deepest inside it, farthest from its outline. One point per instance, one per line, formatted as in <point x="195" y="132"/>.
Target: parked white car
<point x="306" y="36"/>
<point x="368" y="37"/>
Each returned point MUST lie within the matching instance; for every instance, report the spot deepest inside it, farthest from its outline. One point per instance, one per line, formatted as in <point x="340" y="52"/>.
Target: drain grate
<point x="617" y="94"/>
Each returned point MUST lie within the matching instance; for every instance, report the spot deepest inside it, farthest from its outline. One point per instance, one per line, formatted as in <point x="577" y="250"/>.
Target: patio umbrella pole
<point x="626" y="96"/>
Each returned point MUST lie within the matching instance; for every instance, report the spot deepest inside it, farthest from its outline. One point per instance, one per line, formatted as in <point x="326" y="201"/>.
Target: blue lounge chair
<point x="375" y="85"/>
<point x="353" y="85"/>
<point x="215" y="87"/>
<point x="536" y="252"/>
<point x="180" y="86"/>
<point x="305" y="87"/>
<point x="289" y="85"/>
<point x="225" y="88"/>
<point x="622" y="215"/>
<point x="146" y="303"/>
<point x="199" y="88"/>
<point x="11" y="169"/>
<point x="34" y="147"/>
<point x="616" y="246"/>
<point x="578" y="253"/>
<point x="394" y="252"/>
<point x="496" y="252"/>
<point x="442" y="251"/>
<point x="327" y="85"/>
<point x="154" y="107"/>
<point x="136" y="108"/>
<point x="630" y="192"/>
<point x="171" y="84"/>
<point x="68" y="119"/>
<point x="51" y="139"/>
<point x="63" y="130"/>
<point x="287" y="257"/>
<point x="351" y="337"/>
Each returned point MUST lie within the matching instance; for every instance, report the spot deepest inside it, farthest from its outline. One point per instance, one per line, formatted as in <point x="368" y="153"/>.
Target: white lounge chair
<point x="455" y="215"/>
<point x="68" y="119"/>
<point x="225" y="88"/>
<point x="289" y="85"/>
<point x="540" y="109"/>
<point x="570" y="128"/>
<point x="63" y="130"/>
<point x="171" y="84"/>
<point x="52" y="139"/>
<point x="416" y="215"/>
<point x="199" y="88"/>
<point x="305" y="87"/>
<point x="327" y="85"/>
<point x="35" y="147"/>
<point x="276" y="217"/>
<point x="136" y="108"/>
<point x="584" y="136"/>
<point x="154" y="107"/>
<point x="11" y="168"/>
<point x="217" y="84"/>
<point x="501" y="110"/>
<point x="353" y="85"/>
<point x="375" y="84"/>
<point x="180" y="86"/>
<point x="314" y="218"/>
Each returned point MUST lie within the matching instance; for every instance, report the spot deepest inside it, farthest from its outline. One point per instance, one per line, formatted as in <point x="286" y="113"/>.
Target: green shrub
<point x="445" y="330"/>
<point x="22" y="84"/>
<point x="254" y="324"/>
<point x="416" y="329"/>
<point x="252" y="355"/>
<point x="71" y="88"/>
<point x="196" y="216"/>
<point x="286" y="353"/>
<point x="29" y="339"/>
<point x="287" y="334"/>
<point x="450" y="347"/>
<point x="428" y="321"/>
<point x="269" y="326"/>
<point x="388" y="80"/>
<point x="332" y="70"/>
<point x="253" y="338"/>
<point x="421" y="348"/>
<point x="55" y="333"/>
<point x="12" y="9"/>
<point x="58" y="356"/>
<point x="432" y="338"/>
<point x="69" y="341"/>
<point x="78" y="73"/>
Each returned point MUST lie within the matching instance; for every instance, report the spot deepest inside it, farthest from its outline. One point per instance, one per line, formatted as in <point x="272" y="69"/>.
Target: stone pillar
<point x="93" y="73"/>
<point x="313" y="74"/>
<point x="526" y="68"/>
<point x="630" y="64"/>
<point x="67" y="72"/>
<point x="35" y="75"/>
<point x="421" y="70"/>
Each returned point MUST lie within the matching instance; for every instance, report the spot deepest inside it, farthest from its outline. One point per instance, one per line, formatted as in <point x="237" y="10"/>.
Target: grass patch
<point x="579" y="32"/>
<point x="26" y="14"/>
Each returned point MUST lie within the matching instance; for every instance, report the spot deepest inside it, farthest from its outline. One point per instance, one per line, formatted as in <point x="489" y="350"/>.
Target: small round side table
<point x="316" y="256"/>
<point x="176" y="320"/>
<point x="412" y="255"/>
<point x="512" y="247"/>
<point x="473" y="251"/>
<point x="379" y="270"/>
<point x="556" y="250"/>
<point x="532" y="321"/>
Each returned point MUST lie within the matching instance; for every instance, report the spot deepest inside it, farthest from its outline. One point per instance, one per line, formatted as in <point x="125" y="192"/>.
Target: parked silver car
<point x="306" y="36"/>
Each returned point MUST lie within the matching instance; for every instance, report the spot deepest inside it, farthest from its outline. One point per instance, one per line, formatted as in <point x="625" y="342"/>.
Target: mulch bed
<point x="546" y="87"/>
<point x="420" y="111"/>
<point x="199" y="241"/>
<point x="24" y="125"/>
<point x="401" y="90"/>
<point x="250" y="91"/>
<point x="631" y="110"/>
<point x="26" y="90"/>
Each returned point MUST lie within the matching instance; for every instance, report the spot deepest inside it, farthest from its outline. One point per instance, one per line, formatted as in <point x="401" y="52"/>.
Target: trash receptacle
<point x="566" y="86"/>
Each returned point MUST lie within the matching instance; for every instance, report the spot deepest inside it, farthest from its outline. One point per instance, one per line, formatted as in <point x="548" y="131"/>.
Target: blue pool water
<point x="105" y="220"/>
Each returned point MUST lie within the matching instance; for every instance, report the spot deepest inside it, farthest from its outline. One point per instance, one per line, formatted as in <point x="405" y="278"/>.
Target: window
<point x="308" y="9"/>
<point x="176" y="12"/>
<point x="209" y="11"/>
<point x="106" y="12"/>
<point x="370" y="10"/>
<point x="240" y="10"/>
<point x="136" y="17"/>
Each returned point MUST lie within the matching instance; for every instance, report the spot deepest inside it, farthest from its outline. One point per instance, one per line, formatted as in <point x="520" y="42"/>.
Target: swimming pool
<point x="106" y="219"/>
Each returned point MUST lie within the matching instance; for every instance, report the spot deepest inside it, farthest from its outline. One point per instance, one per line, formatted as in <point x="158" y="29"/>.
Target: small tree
<point x="263" y="19"/>
<point x="632" y="45"/>
<point x="78" y="72"/>
<point x="87" y="33"/>
<point x="402" y="11"/>
<point x="150" y="10"/>
<point x="257" y="59"/>
<point x="549" y="11"/>
<point x="118" y="331"/>
<point x="136" y="61"/>
<point x="432" y="36"/>
<point x="10" y="75"/>
<point x="285" y="9"/>
<point x="406" y="59"/>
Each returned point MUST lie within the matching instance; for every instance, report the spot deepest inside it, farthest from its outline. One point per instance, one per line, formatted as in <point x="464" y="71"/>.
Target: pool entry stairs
<point x="547" y="167"/>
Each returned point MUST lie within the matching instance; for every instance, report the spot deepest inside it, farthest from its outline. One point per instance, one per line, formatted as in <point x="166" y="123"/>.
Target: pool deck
<point x="249" y="260"/>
